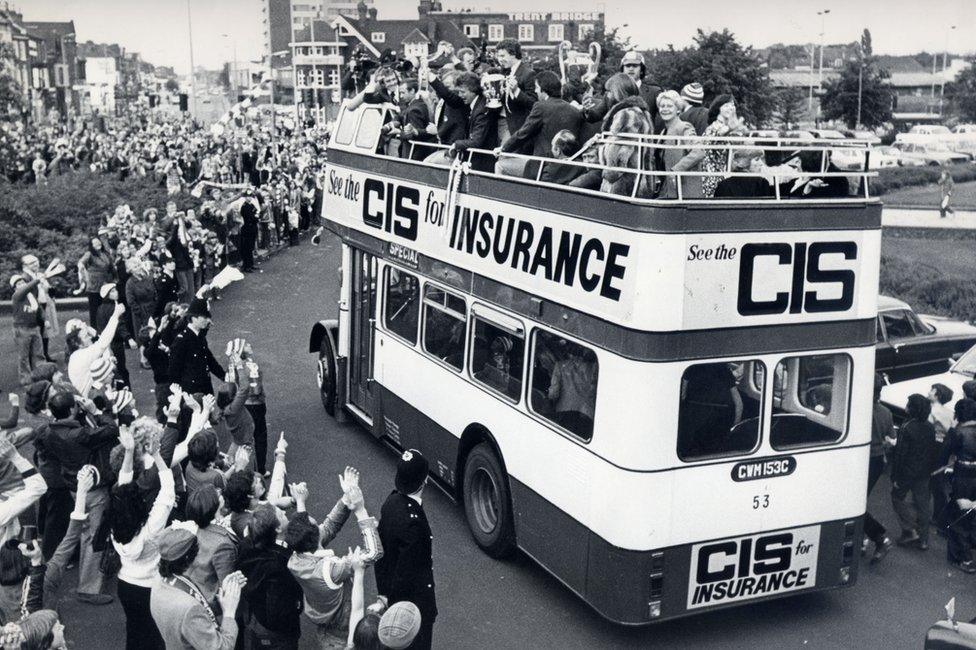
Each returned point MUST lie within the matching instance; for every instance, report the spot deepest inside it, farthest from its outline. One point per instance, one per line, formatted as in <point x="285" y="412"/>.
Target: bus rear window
<point x="564" y="378"/>
<point x="445" y="316"/>
<point x="402" y="303"/>
<point x="810" y="400"/>
<point x="720" y="409"/>
<point x="497" y="359"/>
<point x="368" y="134"/>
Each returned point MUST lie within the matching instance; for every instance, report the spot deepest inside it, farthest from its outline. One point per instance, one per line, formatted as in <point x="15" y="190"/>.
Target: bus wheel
<point x="487" y="503"/>
<point x="325" y="375"/>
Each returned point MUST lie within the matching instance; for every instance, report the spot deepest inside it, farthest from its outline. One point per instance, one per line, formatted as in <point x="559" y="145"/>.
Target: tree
<point x="172" y="86"/>
<point x="860" y="91"/>
<point x="721" y="65"/>
<point x="791" y="105"/>
<point x="961" y="94"/>
<point x="11" y="94"/>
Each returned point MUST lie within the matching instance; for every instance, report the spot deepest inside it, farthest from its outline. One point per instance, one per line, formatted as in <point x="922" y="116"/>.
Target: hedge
<point x="57" y="219"/>
<point x="893" y="178"/>
<point x="927" y="290"/>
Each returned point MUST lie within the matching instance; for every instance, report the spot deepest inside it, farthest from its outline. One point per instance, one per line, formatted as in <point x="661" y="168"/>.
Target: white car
<point x="964" y="128"/>
<point x="895" y="396"/>
<point x="930" y="155"/>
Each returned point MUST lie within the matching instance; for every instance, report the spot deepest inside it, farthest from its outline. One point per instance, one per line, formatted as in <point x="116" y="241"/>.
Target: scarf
<point x="187" y="587"/>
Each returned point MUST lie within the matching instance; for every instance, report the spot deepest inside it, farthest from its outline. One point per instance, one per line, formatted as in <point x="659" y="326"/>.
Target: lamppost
<point x="193" y="78"/>
<point x="945" y="58"/>
<point x="823" y="24"/>
<point x="860" y="81"/>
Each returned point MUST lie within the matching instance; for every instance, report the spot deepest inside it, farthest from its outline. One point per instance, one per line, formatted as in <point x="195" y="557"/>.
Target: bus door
<point x="362" y="322"/>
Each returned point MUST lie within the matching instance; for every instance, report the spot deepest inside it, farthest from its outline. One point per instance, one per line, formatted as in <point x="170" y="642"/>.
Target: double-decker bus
<point x="665" y="403"/>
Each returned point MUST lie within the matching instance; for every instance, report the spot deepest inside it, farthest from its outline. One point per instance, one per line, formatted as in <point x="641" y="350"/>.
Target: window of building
<point x="472" y="30"/>
<point x="526" y="32"/>
<point x="497" y="358"/>
<point x="556" y="32"/>
<point x="445" y="317"/>
<point x="317" y="77"/>
<point x="585" y="30"/>
<point x="333" y="77"/>
<point x="720" y="409"/>
<point x="402" y="295"/>
<point x="810" y="399"/>
<point x="378" y="37"/>
<point x="564" y="381"/>
<point x="300" y="77"/>
<point x="496" y="33"/>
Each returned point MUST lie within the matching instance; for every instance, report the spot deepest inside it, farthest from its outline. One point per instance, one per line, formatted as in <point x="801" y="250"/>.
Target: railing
<point x="653" y="145"/>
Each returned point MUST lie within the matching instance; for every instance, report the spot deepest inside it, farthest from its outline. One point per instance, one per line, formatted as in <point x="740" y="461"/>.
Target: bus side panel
<point x="410" y="428"/>
<point x="553" y="538"/>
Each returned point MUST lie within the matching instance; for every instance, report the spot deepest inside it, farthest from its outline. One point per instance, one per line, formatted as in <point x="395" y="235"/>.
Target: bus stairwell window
<point x="497" y="359"/>
<point x="370" y="126"/>
<point x="813" y="407"/>
<point x="445" y="316"/>
<point x="402" y="304"/>
<point x="564" y="380"/>
<point x="720" y="409"/>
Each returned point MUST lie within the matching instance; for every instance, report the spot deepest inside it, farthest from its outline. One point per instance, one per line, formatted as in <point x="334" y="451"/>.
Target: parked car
<point x="964" y="128"/>
<point x="827" y="134"/>
<point x="910" y="345"/>
<point x="951" y="634"/>
<point x="863" y="135"/>
<point x="895" y="395"/>
<point x="930" y="155"/>
<point x="929" y="129"/>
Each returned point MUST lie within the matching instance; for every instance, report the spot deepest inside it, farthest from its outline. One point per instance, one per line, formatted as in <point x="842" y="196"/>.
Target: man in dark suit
<point x="482" y="124"/>
<point x="413" y="121"/>
<point x="450" y="122"/>
<point x="550" y="115"/>
<point x="519" y="92"/>
<point x="190" y="360"/>
<point x="406" y="570"/>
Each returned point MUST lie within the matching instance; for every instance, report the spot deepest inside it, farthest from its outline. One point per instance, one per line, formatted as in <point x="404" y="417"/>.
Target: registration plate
<point x="743" y="568"/>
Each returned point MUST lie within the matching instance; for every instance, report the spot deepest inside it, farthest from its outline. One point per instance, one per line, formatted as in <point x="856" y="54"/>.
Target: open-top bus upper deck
<point x="640" y="264"/>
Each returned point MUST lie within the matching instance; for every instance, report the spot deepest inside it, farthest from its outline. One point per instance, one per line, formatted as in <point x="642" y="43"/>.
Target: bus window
<point x="370" y="125"/>
<point x="445" y="316"/>
<point x="346" y="127"/>
<point x="497" y="358"/>
<point x="814" y="393"/>
<point x="720" y="409"/>
<point x="564" y="378"/>
<point x="402" y="303"/>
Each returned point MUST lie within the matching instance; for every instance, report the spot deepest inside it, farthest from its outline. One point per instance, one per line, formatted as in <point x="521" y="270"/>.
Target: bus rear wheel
<point x="487" y="502"/>
<point x="325" y="375"/>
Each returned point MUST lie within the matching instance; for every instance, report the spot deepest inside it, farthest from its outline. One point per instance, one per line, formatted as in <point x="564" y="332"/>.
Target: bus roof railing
<point x="779" y="174"/>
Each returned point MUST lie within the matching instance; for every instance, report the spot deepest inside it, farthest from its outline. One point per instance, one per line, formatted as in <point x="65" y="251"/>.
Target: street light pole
<point x="193" y="79"/>
<point x="860" y="82"/>
<point x="945" y="58"/>
<point x="823" y="24"/>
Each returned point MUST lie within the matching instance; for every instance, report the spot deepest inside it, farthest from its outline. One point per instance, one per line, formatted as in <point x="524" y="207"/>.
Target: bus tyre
<point x="325" y="375"/>
<point x="487" y="502"/>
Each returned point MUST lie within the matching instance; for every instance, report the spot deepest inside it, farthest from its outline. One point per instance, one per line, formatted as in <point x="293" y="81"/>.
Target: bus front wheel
<point x="487" y="502"/>
<point x="325" y="375"/>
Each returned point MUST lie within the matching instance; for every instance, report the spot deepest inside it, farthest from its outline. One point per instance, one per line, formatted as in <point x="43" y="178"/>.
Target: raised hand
<point x="209" y="402"/>
<point x="86" y="478"/>
<point x="352" y="496"/>
<point x="7" y="449"/>
<point x="242" y="458"/>
<point x="357" y="560"/>
<point x="229" y="595"/>
<point x="14" y="399"/>
<point x="119" y="309"/>
<point x="282" y="446"/>
<point x="31" y="551"/>
<point x="192" y="403"/>
<point x="126" y="438"/>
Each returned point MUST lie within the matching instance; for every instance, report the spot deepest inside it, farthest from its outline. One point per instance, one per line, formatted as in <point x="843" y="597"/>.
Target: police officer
<point x="190" y="361"/>
<point x="405" y="572"/>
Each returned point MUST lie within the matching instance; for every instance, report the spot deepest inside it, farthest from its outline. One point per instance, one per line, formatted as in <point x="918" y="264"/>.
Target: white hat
<point x="106" y="288"/>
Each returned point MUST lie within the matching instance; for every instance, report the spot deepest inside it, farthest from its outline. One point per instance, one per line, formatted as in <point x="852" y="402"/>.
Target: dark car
<point x="911" y="346"/>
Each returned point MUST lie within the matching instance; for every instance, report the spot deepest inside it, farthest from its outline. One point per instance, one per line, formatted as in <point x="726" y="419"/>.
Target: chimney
<point x="361" y="10"/>
<point x="424" y="8"/>
<point x="372" y="13"/>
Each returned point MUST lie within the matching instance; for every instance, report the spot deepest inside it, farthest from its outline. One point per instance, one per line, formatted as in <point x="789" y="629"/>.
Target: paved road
<point x="514" y="604"/>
